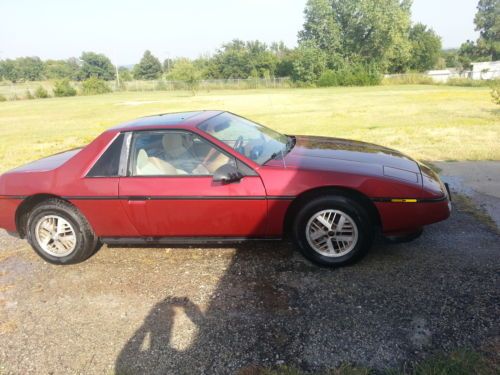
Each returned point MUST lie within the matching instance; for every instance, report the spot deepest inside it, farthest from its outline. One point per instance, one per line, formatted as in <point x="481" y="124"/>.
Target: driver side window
<point x="174" y="153"/>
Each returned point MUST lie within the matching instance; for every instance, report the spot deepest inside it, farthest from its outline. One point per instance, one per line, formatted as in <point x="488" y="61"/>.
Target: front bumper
<point x="408" y="217"/>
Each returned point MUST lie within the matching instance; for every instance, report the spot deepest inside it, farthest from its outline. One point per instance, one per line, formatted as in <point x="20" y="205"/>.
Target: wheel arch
<point x="25" y="208"/>
<point x="309" y="195"/>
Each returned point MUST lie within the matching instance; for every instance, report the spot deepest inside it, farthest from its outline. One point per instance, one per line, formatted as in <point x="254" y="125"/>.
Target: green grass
<point x="427" y="122"/>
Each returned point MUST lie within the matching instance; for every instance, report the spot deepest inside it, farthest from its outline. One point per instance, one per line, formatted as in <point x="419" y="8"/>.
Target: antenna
<point x="283" y="158"/>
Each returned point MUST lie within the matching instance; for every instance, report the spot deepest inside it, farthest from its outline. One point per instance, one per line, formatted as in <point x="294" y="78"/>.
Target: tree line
<point x="343" y="42"/>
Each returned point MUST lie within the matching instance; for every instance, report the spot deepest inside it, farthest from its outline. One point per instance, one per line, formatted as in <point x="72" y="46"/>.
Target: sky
<point x="123" y="29"/>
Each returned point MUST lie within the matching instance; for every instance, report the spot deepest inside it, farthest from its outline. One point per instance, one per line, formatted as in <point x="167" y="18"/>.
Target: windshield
<point x="252" y="140"/>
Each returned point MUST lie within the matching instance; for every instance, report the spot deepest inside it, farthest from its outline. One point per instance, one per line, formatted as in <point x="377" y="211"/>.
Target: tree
<point x="124" y="74"/>
<point x="184" y="70"/>
<point x="9" y="71"/>
<point x="30" y="68"/>
<point x="321" y="26"/>
<point x="374" y="31"/>
<point x="487" y="22"/>
<point x="262" y="59"/>
<point x="425" y="48"/>
<point x="467" y="53"/>
<point x="450" y="57"/>
<point x="96" y="65"/>
<point x="239" y="59"/>
<point x="22" y="68"/>
<point x="359" y="31"/>
<point x="232" y="61"/>
<point x="284" y="56"/>
<point x="309" y="63"/>
<point x="149" y="67"/>
<point x="60" y="69"/>
<point x="168" y="63"/>
<point x="487" y="47"/>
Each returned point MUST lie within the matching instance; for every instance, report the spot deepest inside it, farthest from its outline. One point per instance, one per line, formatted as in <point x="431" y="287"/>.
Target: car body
<point x="128" y="193"/>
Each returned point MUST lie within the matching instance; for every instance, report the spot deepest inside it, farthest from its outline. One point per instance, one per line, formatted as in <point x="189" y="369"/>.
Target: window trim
<point x="124" y="154"/>
<point x="129" y="146"/>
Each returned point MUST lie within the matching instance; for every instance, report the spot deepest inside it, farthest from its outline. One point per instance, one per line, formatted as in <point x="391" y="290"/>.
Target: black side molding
<point x="409" y="200"/>
<point x="144" y="241"/>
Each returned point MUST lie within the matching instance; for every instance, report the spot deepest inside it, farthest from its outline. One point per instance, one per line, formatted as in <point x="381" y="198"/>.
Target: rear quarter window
<point x="109" y="163"/>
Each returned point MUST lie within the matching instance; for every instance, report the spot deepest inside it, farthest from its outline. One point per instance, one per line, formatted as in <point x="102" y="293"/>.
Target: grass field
<point x="427" y="122"/>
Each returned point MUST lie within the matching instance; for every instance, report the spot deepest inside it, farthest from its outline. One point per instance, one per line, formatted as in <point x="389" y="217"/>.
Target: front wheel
<point x="59" y="233"/>
<point x="333" y="231"/>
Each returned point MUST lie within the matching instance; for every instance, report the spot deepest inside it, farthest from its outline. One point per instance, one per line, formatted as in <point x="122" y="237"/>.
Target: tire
<point x="327" y="250"/>
<point x="46" y="224"/>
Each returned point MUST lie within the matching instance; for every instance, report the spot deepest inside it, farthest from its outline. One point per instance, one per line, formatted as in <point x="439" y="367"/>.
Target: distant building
<point x="485" y="70"/>
<point x="444" y="75"/>
<point x="480" y="71"/>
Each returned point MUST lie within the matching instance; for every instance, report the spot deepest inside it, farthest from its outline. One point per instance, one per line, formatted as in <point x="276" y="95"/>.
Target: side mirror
<point x="227" y="173"/>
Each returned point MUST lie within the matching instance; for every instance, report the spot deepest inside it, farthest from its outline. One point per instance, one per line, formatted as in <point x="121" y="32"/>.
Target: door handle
<point x="137" y="203"/>
<point x="137" y="200"/>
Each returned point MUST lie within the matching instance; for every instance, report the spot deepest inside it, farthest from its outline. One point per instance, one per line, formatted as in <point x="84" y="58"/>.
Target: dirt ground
<point x="190" y="310"/>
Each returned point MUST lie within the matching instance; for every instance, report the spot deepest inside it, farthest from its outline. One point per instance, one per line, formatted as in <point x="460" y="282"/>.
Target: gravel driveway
<point x="188" y="310"/>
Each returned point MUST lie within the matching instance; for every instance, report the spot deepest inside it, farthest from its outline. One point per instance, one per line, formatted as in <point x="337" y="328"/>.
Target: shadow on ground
<point x="218" y="311"/>
<point x="400" y="304"/>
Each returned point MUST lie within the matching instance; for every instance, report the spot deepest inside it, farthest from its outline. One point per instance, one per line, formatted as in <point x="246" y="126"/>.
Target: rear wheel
<point x="59" y="233"/>
<point x="333" y="231"/>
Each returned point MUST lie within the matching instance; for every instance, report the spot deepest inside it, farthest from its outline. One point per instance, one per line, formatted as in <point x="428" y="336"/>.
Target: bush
<point x="328" y="78"/>
<point x="41" y="93"/>
<point x="2" y="98"/>
<point x="29" y="95"/>
<point x="350" y="75"/>
<point x="185" y="71"/>
<point x="94" y="86"/>
<point x="408" y="79"/>
<point x="467" y="82"/>
<point x="161" y="86"/>
<point x="63" y="88"/>
<point x="495" y="92"/>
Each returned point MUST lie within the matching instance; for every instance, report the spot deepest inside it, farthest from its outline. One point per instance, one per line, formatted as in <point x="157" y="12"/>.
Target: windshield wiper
<point x="274" y="156"/>
<point x="290" y="143"/>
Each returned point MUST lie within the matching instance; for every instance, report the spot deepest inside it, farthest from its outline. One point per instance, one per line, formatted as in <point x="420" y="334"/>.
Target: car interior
<point x="171" y="153"/>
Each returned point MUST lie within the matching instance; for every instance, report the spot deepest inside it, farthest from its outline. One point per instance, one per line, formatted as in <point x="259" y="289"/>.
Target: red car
<point x="212" y="176"/>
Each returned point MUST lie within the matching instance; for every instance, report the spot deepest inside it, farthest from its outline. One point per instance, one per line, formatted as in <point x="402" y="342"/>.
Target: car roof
<point x="165" y="120"/>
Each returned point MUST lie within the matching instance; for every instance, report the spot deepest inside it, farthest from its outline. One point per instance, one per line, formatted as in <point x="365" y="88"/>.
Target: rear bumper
<point x="402" y="218"/>
<point x="8" y="208"/>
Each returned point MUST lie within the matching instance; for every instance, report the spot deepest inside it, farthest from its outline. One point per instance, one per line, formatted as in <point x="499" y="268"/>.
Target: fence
<point x="20" y="89"/>
<point x="211" y="84"/>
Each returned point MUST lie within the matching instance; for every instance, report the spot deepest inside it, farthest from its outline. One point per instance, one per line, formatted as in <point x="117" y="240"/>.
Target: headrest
<point x="142" y="159"/>
<point x="176" y="144"/>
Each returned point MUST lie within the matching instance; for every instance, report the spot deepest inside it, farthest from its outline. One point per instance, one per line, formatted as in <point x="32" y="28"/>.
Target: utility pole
<point x="117" y="78"/>
<point x="167" y="59"/>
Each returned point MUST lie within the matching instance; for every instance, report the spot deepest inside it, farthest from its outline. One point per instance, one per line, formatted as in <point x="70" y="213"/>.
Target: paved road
<point x="479" y="180"/>
<point x="221" y="310"/>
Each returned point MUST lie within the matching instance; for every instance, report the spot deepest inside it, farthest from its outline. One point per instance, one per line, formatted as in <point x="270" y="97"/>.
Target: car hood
<point x="327" y="153"/>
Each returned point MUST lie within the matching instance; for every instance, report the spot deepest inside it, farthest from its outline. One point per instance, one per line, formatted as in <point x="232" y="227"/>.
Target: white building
<point x="443" y="75"/>
<point x="486" y="70"/>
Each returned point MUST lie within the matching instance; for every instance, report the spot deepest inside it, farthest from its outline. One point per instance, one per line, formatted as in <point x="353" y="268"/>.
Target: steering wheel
<point x="238" y="145"/>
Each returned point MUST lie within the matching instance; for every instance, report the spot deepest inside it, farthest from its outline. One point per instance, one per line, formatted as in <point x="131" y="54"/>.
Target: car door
<point x="169" y="190"/>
